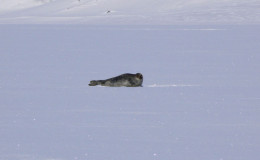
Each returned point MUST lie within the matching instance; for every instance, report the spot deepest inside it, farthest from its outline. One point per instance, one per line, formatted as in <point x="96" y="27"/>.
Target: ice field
<point x="144" y="12"/>
<point x="200" y="97"/>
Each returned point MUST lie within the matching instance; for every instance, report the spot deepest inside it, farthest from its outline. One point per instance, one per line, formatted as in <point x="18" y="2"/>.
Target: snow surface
<point x="130" y="11"/>
<point x="200" y="100"/>
<point x="201" y="94"/>
<point x="11" y="5"/>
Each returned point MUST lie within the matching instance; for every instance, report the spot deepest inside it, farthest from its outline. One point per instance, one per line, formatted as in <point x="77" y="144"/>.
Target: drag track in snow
<point x="167" y="85"/>
<point x="171" y="85"/>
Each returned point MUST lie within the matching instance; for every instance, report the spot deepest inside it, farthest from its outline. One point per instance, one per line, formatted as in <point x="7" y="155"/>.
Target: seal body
<point x="124" y="80"/>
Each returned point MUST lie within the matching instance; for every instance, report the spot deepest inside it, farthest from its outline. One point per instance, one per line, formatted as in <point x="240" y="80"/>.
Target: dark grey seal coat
<point x="124" y="80"/>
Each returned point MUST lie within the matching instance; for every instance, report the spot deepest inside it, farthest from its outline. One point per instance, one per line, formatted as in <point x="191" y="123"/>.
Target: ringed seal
<point x="123" y="80"/>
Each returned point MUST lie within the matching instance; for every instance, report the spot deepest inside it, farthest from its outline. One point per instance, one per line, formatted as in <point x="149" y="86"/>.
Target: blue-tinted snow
<point x="200" y="100"/>
<point x="128" y="12"/>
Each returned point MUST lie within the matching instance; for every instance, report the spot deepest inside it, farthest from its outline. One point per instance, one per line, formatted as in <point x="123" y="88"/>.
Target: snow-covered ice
<point x="130" y="12"/>
<point x="200" y="100"/>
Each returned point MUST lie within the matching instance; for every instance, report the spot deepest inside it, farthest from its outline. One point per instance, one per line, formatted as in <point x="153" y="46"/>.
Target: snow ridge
<point x="12" y="5"/>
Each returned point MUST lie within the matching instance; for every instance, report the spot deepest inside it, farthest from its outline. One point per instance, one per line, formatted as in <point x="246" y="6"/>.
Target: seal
<point x="123" y="80"/>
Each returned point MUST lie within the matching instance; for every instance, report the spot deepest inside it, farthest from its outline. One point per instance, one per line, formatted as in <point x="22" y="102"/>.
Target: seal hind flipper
<point x="95" y="83"/>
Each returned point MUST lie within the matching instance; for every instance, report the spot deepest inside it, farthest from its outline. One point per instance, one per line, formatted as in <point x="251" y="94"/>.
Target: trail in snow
<point x="172" y="85"/>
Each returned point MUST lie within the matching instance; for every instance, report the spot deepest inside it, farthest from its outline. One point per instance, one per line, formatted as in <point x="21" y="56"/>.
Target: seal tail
<point x="94" y="83"/>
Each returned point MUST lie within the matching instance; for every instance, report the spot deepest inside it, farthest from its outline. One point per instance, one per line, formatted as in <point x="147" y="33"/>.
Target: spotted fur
<point x="124" y="80"/>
